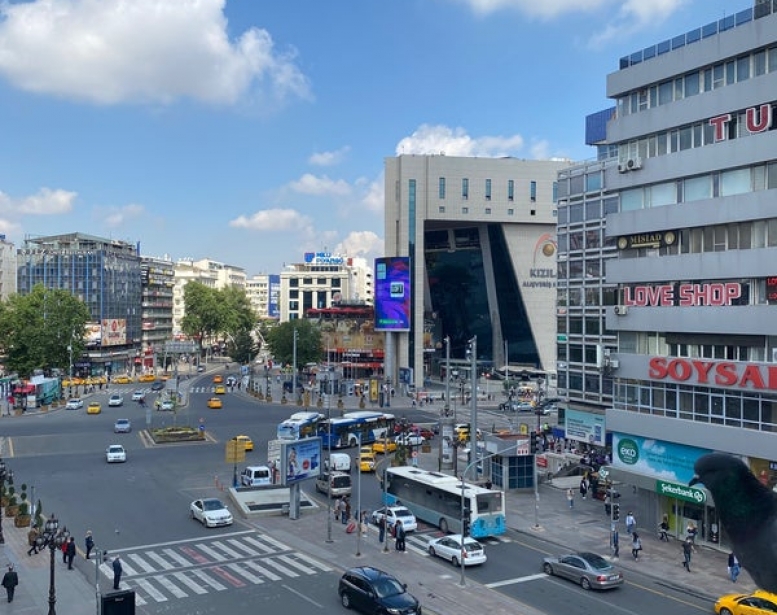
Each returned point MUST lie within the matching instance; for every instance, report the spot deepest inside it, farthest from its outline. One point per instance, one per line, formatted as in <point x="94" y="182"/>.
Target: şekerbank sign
<point x="680" y="492"/>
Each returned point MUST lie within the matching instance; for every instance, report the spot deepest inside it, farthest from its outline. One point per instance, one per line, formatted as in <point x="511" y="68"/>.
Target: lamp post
<point x="447" y="408"/>
<point x="54" y="538"/>
<point x="359" y="504"/>
<point x="5" y="473"/>
<point x="329" y="450"/>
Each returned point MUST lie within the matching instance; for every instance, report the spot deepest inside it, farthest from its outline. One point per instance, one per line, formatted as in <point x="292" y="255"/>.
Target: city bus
<point x="300" y="425"/>
<point x="355" y="429"/>
<point x="435" y="498"/>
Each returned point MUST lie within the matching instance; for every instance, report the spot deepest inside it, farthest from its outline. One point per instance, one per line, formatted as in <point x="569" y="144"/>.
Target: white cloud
<point x="116" y="216"/>
<point x="428" y="140"/>
<point x="374" y="199"/>
<point x="361" y="243"/>
<point x="147" y="51"/>
<point x="328" y="159"/>
<point x="45" y="202"/>
<point x="634" y="15"/>
<point x="547" y="9"/>
<point x="273" y="220"/>
<point x="320" y="186"/>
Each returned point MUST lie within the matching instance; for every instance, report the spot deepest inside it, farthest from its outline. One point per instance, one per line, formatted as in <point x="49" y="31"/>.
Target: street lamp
<point x="54" y="538"/>
<point x="330" y="469"/>
<point x="447" y="407"/>
<point x="5" y="473"/>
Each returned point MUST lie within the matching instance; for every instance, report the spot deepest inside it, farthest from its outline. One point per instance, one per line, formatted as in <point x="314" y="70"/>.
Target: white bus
<point x="354" y="428"/>
<point x="300" y="425"/>
<point x="436" y="499"/>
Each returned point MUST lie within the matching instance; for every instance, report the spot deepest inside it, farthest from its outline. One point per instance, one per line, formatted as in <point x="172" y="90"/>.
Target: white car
<point x="122" y="426"/>
<point x="211" y="512"/>
<point x="167" y="405"/>
<point x="115" y="453"/>
<point x="410" y="439"/>
<point x="74" y="404"/>
<point x="138" y="395"/>
<point x="116" y="400"/>
<point x="449" y="548"/>
<point x="394" y="514"/>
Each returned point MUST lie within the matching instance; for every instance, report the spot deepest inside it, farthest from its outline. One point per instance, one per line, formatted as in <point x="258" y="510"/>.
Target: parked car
<point x="115" y="453"/>
<point x="256" y="476"/>
<point x="122" y="379"/>
<point x="760" y="602"/>
<point x="336" y="484"/>
<point x="74" y="403"/>
<point x="122" y="426"/>
<point x="394" y="514"/>
<point x="94" y="408"/>
<point x="211" y="512"/>
<point x="370" y="590"/>
<point x="147" y="378"/>
<point x="449" y="548"/>
<point x="139" y="395"/>
<point x="115" y="400"/>
<point x="590" y="570"/>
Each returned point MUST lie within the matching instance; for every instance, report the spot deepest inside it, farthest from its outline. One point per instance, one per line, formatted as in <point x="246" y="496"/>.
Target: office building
<point x="157" y="283"/>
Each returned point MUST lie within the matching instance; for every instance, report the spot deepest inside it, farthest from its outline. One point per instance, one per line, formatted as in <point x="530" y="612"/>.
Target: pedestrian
<point x="733" y="567"/>
<point x="116" y="572"/>
<point x="687" y="550"/>
<point x="10" y="581"/>
<point x="583" y="487"/>
<point x="88" y="543"/>
<point x="663" y="529"/>
<point x="382" y="529"/>
<point x="571" y="498"/>
<point x="32" y="540"/>
<point x="346" y="516"/>
<point x="399" y="534"/>
<point x="363" y="523"/>
<point x="615" y="544"/>
<point x="338" y="504"/>
<point x="64" y="552"/>
<point x="631" y="523"/>
<point x="636" y="545"/>
<point x="70" y="552"/>
<point x="690" y="533"/>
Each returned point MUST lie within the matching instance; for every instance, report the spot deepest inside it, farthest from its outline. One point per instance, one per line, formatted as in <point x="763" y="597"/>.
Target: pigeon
<point x="747" y="511"/>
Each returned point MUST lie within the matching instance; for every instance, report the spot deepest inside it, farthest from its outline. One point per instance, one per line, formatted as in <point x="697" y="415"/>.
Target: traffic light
<point x="616" y="512"/>
<point x="465" y="525"/>
<point x="533" y="442"/>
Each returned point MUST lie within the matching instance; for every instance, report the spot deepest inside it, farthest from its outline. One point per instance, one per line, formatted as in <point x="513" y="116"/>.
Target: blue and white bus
<point x="300" y="425"/>
<point x="355" y="428"/>
<point x="435" y="498"/>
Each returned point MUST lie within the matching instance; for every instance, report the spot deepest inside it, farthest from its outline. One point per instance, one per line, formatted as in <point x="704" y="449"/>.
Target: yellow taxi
<point x="384" y="446"/>
<point x="367" y="462"/>
<point x="214" y="403"/>
<point x="758" y="603"/>
<point x="248" y="443"/>
<point x="165" y="377"/>
<point x="124" y="379"/>
<point x="218" y="379"/>
<point x="147" y="378"/>
<point x="219" y="389"/>
<point x="94" y="408"/>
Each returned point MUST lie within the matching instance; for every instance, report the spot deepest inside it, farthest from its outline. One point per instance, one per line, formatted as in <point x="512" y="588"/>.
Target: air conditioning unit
<point x="622" y="168"/>
<point x="634" y="163"/>
<point x="621" y="310"/>
<point x="614" y="364"/>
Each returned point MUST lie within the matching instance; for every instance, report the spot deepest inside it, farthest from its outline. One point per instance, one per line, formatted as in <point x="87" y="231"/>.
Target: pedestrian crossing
<point x="126" y="392"/>
<point x="190" y="568"/>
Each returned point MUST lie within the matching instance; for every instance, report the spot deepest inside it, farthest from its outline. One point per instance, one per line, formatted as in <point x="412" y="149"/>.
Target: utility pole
<point x="294" y="366"/>
<point x="473" y="402"/>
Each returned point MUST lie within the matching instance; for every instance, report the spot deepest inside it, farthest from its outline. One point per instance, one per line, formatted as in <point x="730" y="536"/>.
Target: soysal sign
<point x="684" y="295"/>
<point x="750" y="376"/>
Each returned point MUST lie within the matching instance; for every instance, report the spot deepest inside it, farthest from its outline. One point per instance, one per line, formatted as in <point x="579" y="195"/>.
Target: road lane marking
<point x="313" y="562"/>
<point x="531" y="577"/>
<point x="256" y="580"/>
<point x="283" y="569"/>
<point x="180" y="542"/>
<point x="295" y="564"/>
<point x="183" y="578"/>
<point x="270" y="575"/>
<point x="150" y="590"/>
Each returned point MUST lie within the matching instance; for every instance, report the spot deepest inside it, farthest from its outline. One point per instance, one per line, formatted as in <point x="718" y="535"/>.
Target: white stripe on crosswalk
<point x="241" y="547"/>
<point x="270" y="575"/>
<point x="230" y="552"/>
<point x="165" y="582"/>
<point x="181" y="577"/>
<point x="245" y="574"/>
<point x="259" y="545"/>
<point x="161" y="561"/>
<point x="150" y="590"/>
<point x="212" y="552"/>
<point x="207" y="580"/>
<point x="312" y="562"/>
<point x="172" y="554"/>
<point x="278" y="545"/>
<point x="126" y="568"/>
<point x="287" y="571"/>
<point x="140" y="562"/>
<point x="296" y="564"/>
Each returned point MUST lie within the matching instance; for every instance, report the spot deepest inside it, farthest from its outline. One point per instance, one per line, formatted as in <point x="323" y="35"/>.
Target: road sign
<point x="235" y="451"/>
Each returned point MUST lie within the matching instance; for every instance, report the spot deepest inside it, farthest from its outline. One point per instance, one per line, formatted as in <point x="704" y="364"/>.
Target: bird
<point x="748" y="512"/>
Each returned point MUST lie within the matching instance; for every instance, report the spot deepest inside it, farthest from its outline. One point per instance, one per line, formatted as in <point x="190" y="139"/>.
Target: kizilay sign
<point x="681" y="492"/>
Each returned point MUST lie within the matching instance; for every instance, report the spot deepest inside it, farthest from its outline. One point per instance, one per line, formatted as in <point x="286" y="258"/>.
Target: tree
<point x="243" y="348"/>
<point x="281" y="342"/>
<point x="37" y="330"/>
<point x="238" y="314"/>
<point x="203" y="312"/>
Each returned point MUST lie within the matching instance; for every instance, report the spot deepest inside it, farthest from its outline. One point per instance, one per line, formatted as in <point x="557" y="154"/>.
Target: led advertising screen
<point x="392" y="293"/>
<point x="300" y="460"/>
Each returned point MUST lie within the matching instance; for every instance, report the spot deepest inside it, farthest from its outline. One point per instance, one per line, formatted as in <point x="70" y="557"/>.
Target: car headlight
<point x="393" y="611"/>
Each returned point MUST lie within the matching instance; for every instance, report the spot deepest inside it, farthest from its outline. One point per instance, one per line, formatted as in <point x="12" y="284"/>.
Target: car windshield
<point x="472" y="547"/>
<point x="595" y="561"/>
<point x="385" y="587"/>
<point x="115" y="449"/>
<point x="212" y="505"/>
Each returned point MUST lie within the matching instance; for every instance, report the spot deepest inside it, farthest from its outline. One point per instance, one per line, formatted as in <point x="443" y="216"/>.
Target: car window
<point x="572" y="561"/>
<point x="403" y="512"/>
<point x="213" y="505"/>
<point x="596" y="562"/>
<point x="385" y="587"/>
<point x="472" y="547"/>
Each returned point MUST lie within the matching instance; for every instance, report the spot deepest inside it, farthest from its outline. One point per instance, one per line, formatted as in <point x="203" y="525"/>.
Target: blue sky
<point x="252" y="131"/>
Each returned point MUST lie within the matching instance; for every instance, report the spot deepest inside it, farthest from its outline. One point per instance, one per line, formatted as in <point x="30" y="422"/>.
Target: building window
<point x="294" y="283"/>
<point x="510" y="190"/>
<point x="533" y="191"/>
<point x="307" y="281"/>
<point x="465" y="188"/>
<point x="465" y="210"/>
<point x="511" y="212"/>
<point x="488" y="190"/>
<point x="488" y="210"/>
<point x="442" y="188"/>
<point x="441" y="209"/>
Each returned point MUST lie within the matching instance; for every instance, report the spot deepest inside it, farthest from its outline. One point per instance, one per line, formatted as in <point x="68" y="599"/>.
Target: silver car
<point x="449" y="548"/>
<point x="211" y="512"/>
<point x="590" y="570"/>
<point x="122" y="426"/>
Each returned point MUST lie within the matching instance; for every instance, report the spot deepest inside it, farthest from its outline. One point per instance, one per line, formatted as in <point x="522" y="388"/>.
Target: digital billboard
<point x="392" y="293"/>
<point x="300" y="460"/>
<point x="114" y="331"/>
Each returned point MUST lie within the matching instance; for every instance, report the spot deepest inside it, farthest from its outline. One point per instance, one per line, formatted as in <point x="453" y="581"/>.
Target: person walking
<point x="663" y="529"/>
<point x="382" y="529"/>
<point x="10" y="581"/>
<point x="615" y="544"/>
<point x="346" y="516"/>
<point x="631" y="523"/>
<point x="32" y="540"/>
<point x="363" y="523"/>
<point x="399" y="531"/>
<point x="116" y="572"/>
<point x="70" y="552"/>
<point x="583" y="487"/>
<point x="733" y="567"/>
<point x="687" y="550"/>
<point x="571" y="498"/>
<point x="64" y="552"/>
<point x="636" y="545"/>
<point x="88" y="543"/>
<point x="690" y="533"/>
<point x="338" y="505"/>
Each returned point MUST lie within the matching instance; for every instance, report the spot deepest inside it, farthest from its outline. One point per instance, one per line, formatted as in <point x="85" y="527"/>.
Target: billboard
<point x="392" y="293"/>
<point x="92" y="334"/>
<point x="300" y="460"/>
<point x="659" y="459"/>
<point x="114" y="331"/>
<point x="274" y="304"/>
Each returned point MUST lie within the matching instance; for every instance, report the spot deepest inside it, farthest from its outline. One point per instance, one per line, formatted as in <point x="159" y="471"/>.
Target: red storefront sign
<point x="751" y="376"/>
<point x="684" y="295"/>
<point x="757" y="119"/>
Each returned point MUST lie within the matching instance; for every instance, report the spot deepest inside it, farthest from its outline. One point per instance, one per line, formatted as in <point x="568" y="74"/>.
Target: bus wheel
<point x="353" y="443"/>
<point x="444" y="525"/>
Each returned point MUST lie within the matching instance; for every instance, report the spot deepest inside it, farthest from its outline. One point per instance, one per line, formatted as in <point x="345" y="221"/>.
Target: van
<point x="256" y="476"/>
<point x="338" y="462"/>
<point x="338" y="482"/>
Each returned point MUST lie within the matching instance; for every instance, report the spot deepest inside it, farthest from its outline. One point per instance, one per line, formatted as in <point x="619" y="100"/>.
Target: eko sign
<point x="731" y="374"/>
<point x="683" y="295"/>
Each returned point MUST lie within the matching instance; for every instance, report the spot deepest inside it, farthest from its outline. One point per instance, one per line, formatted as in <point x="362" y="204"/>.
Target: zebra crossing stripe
<point x="260" y="545"/>
<point x="126" y="568"/>
<point x="185" y="580"/>
<point x="278" y="545"/>
<point x="270" y="575"/>
<point x="174" y="555"/>
<point x="171" y="587"/>
<point x="227" y="550"/>
<point x="296" y="564"/>
<point x="160" y="561"/>
<point x="312" y="562"/>
<point x="150" y="590"/>
<point x="287" y="571"/>
<point x="211" y="552"/>
<point x="241" y="547"/>
<point x="245" y="574"/>
<point x="140" y="562"/>
<point x="207" y="580"/>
